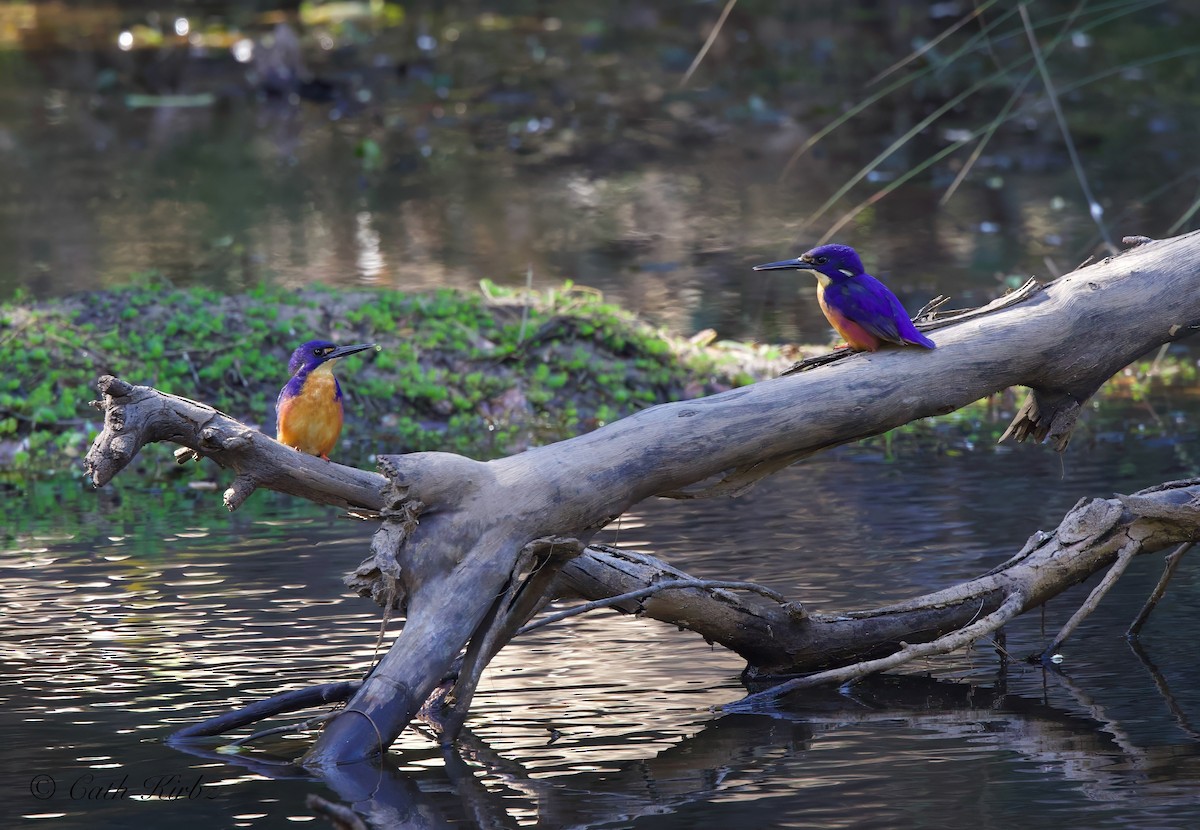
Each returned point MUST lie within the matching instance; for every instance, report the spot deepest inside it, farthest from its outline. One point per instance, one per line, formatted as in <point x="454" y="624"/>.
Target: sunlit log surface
<point x="456" y="532"/>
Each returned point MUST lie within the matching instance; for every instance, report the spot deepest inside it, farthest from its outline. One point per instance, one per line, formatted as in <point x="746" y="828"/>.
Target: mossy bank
<point x="484" y="374"/>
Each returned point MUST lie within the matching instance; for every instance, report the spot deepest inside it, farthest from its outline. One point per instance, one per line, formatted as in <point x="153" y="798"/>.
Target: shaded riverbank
<point x="484" y="374"/>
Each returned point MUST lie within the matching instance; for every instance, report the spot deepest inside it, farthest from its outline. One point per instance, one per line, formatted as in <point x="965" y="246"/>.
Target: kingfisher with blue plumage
<point x="858" y="306"/>
<point x="309" y="410"/>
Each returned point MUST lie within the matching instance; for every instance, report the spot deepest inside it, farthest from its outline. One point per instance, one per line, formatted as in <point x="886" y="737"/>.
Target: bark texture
<point x="468" y="548"/>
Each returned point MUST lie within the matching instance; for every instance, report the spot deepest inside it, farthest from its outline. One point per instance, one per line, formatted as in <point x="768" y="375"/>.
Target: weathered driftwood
<point x="458" y="534"/>
<point x="778" y="638"/>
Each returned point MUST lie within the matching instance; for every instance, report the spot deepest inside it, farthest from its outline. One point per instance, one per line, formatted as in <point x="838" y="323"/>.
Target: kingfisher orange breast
<point x="311" y="421"/>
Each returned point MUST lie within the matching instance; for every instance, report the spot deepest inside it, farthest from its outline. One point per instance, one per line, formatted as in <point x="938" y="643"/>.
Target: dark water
<point x="115" y="634"/>
<point x="494" y="140"/>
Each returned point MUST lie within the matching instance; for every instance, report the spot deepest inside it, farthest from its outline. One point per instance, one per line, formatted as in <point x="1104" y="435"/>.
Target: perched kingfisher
<point x="860" y="307"/>
<point x="309" y="409"/>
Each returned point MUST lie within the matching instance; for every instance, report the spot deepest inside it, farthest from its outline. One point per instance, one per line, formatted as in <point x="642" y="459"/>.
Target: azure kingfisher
<point x="309" y="409"/>
<point x="857" y="305"/>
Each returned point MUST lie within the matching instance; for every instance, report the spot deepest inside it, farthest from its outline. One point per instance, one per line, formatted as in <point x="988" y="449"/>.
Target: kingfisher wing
<point x="290" y="391"/>
<point x="866" y="301"/>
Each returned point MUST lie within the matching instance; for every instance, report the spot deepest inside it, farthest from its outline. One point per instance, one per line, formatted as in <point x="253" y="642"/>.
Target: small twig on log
<point x="1028" y="289"/>
<point x="670" y="584"/>
<point x="292" y="701"/>
<point x="1033" y="543"/>
<point x="942" y="645"/>
<point x="817" y="360"/>
<point x="1171" y="563"/>
<point x="930" y="307"/>
<point x="1124" y="557"/>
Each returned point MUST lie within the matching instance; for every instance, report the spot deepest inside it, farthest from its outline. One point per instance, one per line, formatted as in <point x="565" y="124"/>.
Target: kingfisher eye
<point x="821" y="260"/>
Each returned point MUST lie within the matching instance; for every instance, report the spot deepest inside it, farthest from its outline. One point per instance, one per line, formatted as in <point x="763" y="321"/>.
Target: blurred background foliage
<point x="432" y="144"/>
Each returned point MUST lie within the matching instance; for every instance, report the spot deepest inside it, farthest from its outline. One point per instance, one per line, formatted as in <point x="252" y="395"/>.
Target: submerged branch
<point x="960" y="638"/>
<point x="280" y="704"/>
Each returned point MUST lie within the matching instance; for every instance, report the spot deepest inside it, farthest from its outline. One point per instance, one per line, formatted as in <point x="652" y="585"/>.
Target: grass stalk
<point x="1003" y="117"/>
<point x="1094" y="208"/>
<point x="916" y="53"/>
<point x="1116" y="10"/>
<point x="712" y="36"/>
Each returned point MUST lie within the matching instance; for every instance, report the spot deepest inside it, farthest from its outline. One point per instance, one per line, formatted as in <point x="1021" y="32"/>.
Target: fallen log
<point x="468" y="549"/>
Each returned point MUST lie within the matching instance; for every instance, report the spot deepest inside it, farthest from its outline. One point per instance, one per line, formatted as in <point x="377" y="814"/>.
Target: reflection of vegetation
<point x="46" y="510"/>
<point x="476" y="375"/>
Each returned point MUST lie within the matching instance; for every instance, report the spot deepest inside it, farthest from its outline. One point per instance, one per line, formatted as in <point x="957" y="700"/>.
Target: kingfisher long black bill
<point x="344" y="351"/>
<point x="790" y="264"/>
